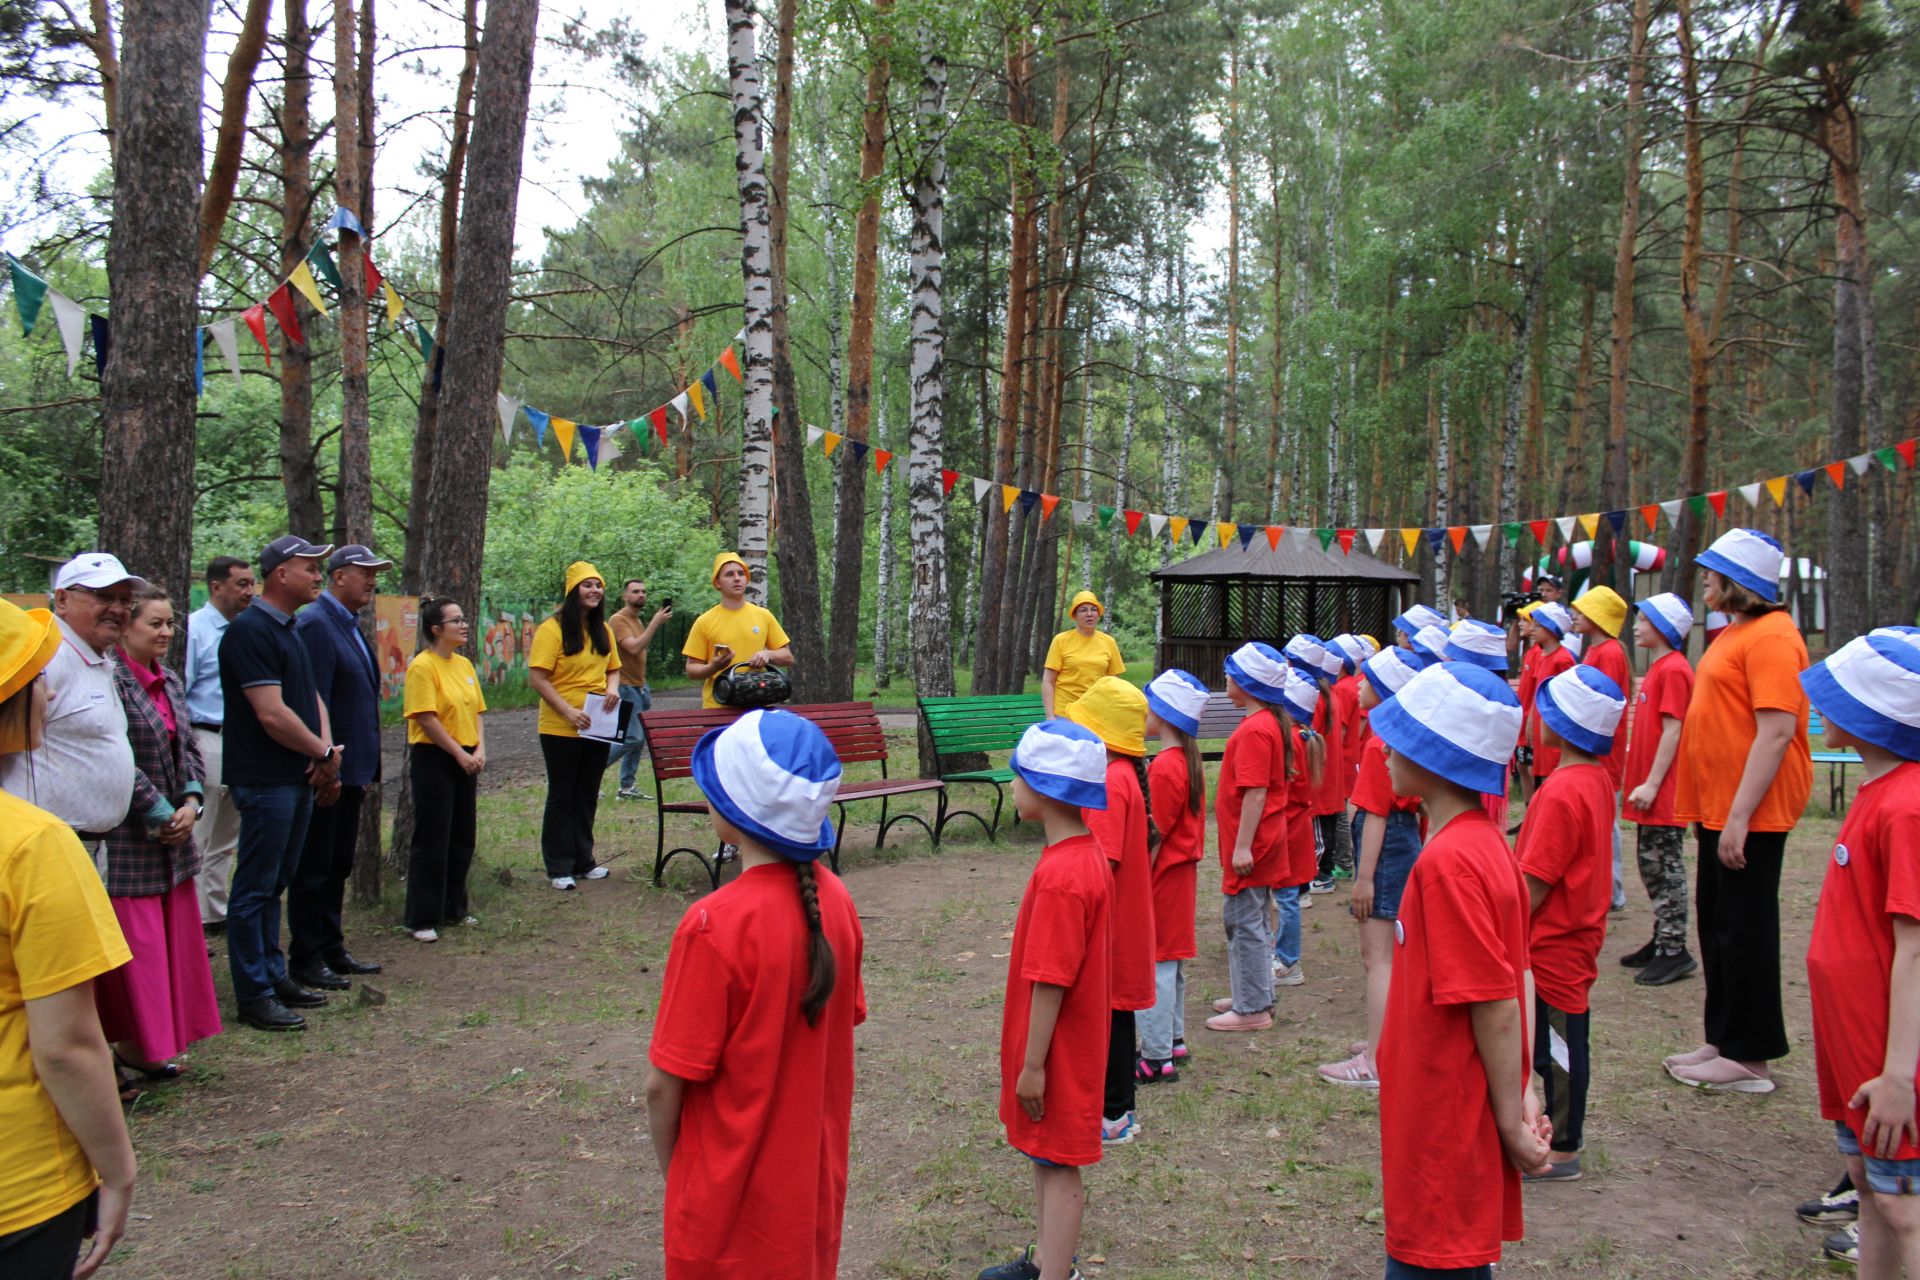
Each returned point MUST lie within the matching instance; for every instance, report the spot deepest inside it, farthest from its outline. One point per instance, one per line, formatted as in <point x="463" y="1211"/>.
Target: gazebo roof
<point x="1297" y="557"/>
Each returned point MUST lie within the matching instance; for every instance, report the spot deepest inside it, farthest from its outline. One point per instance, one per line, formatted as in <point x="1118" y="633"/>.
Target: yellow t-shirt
<point x="1077" y="661"/>
<point x="574" y="677"/>
<point x="747" y="630"/>
<point x="57" y="930"/>
<point x="447" y="688"/>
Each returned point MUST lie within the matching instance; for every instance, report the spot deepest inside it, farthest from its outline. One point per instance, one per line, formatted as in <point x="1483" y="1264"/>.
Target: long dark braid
<point x="1286" y="738"/>
<point x="1140" y="771"/>
<point x="821" y="967"/>
<point x="1196" y="780"/>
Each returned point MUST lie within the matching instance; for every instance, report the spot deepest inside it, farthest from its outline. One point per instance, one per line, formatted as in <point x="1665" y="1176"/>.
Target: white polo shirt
<point x="83" y="772"/>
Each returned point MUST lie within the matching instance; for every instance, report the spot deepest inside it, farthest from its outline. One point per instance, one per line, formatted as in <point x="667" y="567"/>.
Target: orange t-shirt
<point x="1755" y="665"/>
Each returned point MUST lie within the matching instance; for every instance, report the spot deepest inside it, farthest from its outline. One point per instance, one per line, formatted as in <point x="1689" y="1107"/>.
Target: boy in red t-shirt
<point x="1647" y="799"/>
<point x="1053" y="1031"/>
<point x="1598" y="615"/>
<point x="1551" y="625"/>
<point x="1563" y="855"/>
<point x="1459" y="1121"/>
<point x="1863" y="964"/>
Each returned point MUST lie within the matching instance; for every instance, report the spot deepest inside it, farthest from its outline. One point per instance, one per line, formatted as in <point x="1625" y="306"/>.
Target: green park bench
<point x="963" y="725"/>
<point x="1836" y="762"/>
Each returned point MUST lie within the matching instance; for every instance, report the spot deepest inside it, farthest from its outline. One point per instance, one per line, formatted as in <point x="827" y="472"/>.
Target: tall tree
<point x="353" y="514"/>
<point x="1615" y="478"/>
<point x="222" y="174"/>
<point x="756" y="269"/>
<point x="299" y="468"/>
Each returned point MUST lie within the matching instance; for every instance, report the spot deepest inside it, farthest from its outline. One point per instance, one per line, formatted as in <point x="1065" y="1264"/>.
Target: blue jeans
<point x="629" y="752"/>
<point x="273" y="826"/>
<point x="1286" y="939"/>
<point x="1398" y="1270"/>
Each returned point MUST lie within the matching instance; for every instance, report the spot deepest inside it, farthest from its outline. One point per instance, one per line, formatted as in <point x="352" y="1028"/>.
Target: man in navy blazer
<point x="348" y="678"/>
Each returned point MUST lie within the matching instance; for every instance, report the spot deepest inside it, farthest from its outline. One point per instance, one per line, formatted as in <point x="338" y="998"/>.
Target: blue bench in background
<point x="1836" y="762"/>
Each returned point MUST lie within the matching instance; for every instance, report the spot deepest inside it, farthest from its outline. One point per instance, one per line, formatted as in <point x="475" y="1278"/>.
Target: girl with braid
<point x="750" y="1097"/>
<point x="1177" y="806"/>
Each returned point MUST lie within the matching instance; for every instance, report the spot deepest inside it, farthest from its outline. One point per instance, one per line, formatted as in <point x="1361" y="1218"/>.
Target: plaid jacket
<point x="138" y="865"/>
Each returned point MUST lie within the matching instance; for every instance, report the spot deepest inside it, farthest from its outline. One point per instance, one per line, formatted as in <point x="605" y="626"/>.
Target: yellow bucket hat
<point x="578" y="572"/>
<point x="1604" y="607"/>
<point x="1086" y="597"/>
<point x="28" y="641"/>
<point x="724" y="559"/>
<point x="1116" y="712"/>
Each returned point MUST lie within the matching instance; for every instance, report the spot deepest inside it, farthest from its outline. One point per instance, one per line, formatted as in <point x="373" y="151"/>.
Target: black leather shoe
<point x="268" y="1014"/>
<point x="321" y="976"/>
<point x="296" y="996"/>
<point x="345" y="963"/>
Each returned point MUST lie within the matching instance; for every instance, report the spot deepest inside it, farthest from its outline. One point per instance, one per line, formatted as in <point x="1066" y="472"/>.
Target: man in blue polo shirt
<point x="279" y="751"/>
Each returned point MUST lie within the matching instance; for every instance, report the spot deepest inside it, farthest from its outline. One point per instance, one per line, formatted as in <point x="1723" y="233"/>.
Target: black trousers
<point x="318" y="888"/>
<point x="574" y="766"/>
<point x="1565" y="1087"/>
<point x="1120" y="1083"/>
<point x="1739" y="918"/>
<point x="47" y="1250"/>
<point x="445" y="797"/>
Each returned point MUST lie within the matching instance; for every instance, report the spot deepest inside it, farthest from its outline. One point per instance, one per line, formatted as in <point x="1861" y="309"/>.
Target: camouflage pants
<point x="1663" y="870"/>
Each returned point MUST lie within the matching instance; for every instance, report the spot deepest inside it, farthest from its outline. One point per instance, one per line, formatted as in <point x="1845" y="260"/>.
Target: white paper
<point x="602" y="725"/>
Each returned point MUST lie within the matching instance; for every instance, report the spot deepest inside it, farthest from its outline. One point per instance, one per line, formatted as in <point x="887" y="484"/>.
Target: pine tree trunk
<point x="354" y="515"/>
<point x="1699" y="344"/>
<point x="299" y="467"/>
<point x="1615" y="478"/>
<point x="1337" y="502"/>
<point x="147" y="400"/>
<point x="1848" y="607"/>
<point x="223" y="172"/>
<point x="756" y="269"/>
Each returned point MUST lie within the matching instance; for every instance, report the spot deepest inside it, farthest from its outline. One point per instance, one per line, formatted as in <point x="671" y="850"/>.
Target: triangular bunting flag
<point x="1482" y="534"/>
<point x="1671" y="510"/>
<point x="1698" y="505"/>
<point x="423" y="338"/>
<point x="71" y="319"/>
<point x="713" y="389"/>
<point x="659" y="420"/>
<point x="199" y="358"/>
<point x="813" y="435"/>
<point x="1027" y="497"/>
<point x="1457" y="535"/>
<point x="1888" y="458"/>
<point x="1718" y="500"/>
<point x="859" y="448"/>
<point x="1837" y="472"/>
<point x="590" y="437"/>
<point x="1860" y="463"/>
<point x="1374" y="538"/>
<point x="229" y="344"/>
<point x="1566" y="524"/>
<point x="1082" y="512"/>
<point x="103" y="347"/>
<point x="563" y="432"/>
<point x="731" y="363"/>
<point x="1906" y="450"/>
<point x="280" y="302"/>
<point x="1805" y="480"/>
<point x="539" y="421"/>
<point x="1346" y="540"/>
<point x="980" y="488"/>
<point x="1512" y="531"/>
<point x="1274" y="533"/>
<point x="1325" y="536"/>
<point x="1106" y="517"/>
<point x="1436" y="536"/>
<point x="610" y="443"/>
<point x="1048" y="501"/>
<point x="1197" y="530"/>
<point x="1176" y="527"/>
<point x="1246" y="532"/>
<point x="1590" y="522"/>
<point x="697" y="399"/>
<point x="1224" y="531"/>
<point x="322" y="262"/>
<point x="394" y="305"/>
<point x="1156" y="524"/>
<point x="375" y="281"/>
<point x="1618" y="519"/>
<point x="1777" y="490"/>
<point x="1751" y="492"/>
<point x="1651" y="514"/>
<point x="343" y="220"/>
<point x="832" y="438"/>
<point x="1412" y="538"/>
<point x="1540" y="530"/>
<point x="508" y="408"/>
<point x="302" y="279"/>
<point x="947" y="479"/>
<point x="881" y="457"/>
<point x="255" y="317"/>
<point x="1007" y="495"/>
<point x="642" y="434"/>
<point x="1133" y="522"/>
<point x="29" y="291"/>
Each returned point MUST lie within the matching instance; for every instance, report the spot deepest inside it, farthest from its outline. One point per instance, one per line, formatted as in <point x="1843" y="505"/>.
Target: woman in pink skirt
<point x="154" y="1007"/>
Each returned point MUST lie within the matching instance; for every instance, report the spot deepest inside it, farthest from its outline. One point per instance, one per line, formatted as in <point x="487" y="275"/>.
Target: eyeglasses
<point x="124" y="599"/>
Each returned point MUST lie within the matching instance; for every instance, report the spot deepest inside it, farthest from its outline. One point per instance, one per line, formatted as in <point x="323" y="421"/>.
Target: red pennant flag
<point x="255" y="317"/>
<point x="880" y="456"/>
<point x="1906" y="451"/>
<point x="1651" y="514"/>
<point x="1274" y="533"/>
<point x="1048" y="501"/>
<point x="1457" y="534"/>
<point x="280" y="302"/>
<point x="1837" y="472"/>
<point x="1133" y="521"/>
<point x="731" y="363"/>
<point x="1540" y="530"/>
<point x="374" y="278"/>
<point x="1719" y="501"/>
<point x="947" y="480"/>
<point x="1346" y="540"/>
<point x="659" y="420"/>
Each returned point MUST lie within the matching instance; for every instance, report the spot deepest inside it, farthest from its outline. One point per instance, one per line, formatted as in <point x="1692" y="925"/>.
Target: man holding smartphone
<point x="733" y="631"/>
<point x="632" y="636"/>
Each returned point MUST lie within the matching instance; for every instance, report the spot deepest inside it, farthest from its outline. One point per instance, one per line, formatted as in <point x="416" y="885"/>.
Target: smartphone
<point x="667" y="603"/>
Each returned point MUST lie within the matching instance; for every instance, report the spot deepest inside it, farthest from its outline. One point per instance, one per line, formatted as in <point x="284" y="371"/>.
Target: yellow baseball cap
<point x="1604" y="607"/>
<point x="1086" y="597"/>
<point x="724" y="559"/>
<point x="1116" y="712"/>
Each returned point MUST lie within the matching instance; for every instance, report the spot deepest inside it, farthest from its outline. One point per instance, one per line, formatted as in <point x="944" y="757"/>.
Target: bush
<point x="625" y="523"/>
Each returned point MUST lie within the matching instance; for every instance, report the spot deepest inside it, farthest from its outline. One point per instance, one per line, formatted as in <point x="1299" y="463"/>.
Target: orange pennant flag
<point x="830" y="441"/>
<point x="1837" y="472"/>
<point x="1274" y="533"/>
<point x="1008" y="494"/>
<point x="1651" y="514"/>
<point x="731" y="363"/>
<point x="1457" y="534"/>
<point x="882" y="457"/>
<point x="1412" y="538"/>
<point x="1048" y="501"/>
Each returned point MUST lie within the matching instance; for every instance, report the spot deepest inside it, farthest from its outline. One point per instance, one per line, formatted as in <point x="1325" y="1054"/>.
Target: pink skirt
<point x="162" y="1000"/>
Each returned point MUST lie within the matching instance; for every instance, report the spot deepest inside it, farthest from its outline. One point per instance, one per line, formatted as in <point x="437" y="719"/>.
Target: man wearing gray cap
<point x="348" y="678"/>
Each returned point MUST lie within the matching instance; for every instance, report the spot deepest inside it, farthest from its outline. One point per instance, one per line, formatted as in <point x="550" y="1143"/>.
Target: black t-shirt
<point x="259" y="648"/>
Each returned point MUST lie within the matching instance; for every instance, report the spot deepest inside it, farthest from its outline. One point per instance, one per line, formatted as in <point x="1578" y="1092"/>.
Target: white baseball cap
<point x="93" y="570"/>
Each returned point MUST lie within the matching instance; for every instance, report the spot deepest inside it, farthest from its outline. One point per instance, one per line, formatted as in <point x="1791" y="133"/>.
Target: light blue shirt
<point x="205" y="626"/>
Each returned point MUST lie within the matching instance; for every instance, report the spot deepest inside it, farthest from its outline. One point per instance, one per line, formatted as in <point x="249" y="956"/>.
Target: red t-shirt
<point x="1250" y="760"/>
<point x="1610" y="659"/>
<point x="1549" y="666"/>
<point x="1354" y="721"/>
<point x="1450" y="1195"/>
<point x="1373" y="791"/>
<point x="1664" y="691"/>
<point x="1566" y="842"/>
<point x="1529" y="679"/>
<point x="1062" y="937"/>
<point x="1120" y="830"/>
<point x="1333" y="719"/>
<point x="1183" y="841"/>
<point x="758" y="1181"/>
<point x="1303" y="801"/>
<point x="1873" y="875"/>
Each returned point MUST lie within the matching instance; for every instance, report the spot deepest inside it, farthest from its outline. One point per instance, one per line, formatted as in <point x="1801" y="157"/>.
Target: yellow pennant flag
<point x="1412" y="538"/>
<point x="699" y="397"/>
<point x="1007" y="495"/>
<point x="1226" y="532"/>
<point x="394" y="305"/>
<point x="1777" y="489"/>
<point x="1176" y="528"/>
<point x="302" y="279"/>
<point x="1590" y="522"/>
<point x="830" y="441"/>
<point x="563" y="432"/>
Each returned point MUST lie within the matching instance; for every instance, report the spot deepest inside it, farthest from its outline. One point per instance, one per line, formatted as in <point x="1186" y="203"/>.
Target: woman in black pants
<point x="446" y="750"/>
<point x="572" y="662"/>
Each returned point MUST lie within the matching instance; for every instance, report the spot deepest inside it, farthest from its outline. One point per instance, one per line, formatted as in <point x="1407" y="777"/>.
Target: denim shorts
<point x="1398" y="850"/>
<point x="1886" y="1177"/>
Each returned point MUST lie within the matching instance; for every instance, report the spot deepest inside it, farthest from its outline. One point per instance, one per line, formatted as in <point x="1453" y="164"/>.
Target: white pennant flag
<point x="1156" y="524"/>
<point x="740" y="336"/>
<point x="1082" y="512"/>
<point x="1751" y="492"/>
<point x="223" y="337"/>
<point x="1671" y="510"/>
<point x="980" y="488"/>
<point x="1482" y="534"/>
<point x="679" y="404"/>
<point x="1302" y="532"/>
<point x="610" y="442"/>
<point x="1566" y="524"/>
<point x="1859" y="464"/>
<point x="1374" y="538"/>
<point x="813" y="436"/>
<point x="503" y="404"/>
<point x="72" y="320"/>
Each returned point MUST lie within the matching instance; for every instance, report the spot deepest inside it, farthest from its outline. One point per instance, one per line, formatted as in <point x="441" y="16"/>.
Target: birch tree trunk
<point x="1516" y="405"/>
<point x="1443" y="496"/>
<point x="1337" y="502"/>
<point x="883" y="570"/>
<point x="756" y="269"/>
<point x="299" y="469"/>
<point x="1225" y="477"/>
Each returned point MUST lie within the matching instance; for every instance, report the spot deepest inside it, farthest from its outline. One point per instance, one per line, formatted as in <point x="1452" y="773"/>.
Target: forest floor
<point x="486" y="1120"/>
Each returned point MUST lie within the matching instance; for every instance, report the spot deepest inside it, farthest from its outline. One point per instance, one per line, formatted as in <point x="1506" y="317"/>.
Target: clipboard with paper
<point x="604" y="725"/>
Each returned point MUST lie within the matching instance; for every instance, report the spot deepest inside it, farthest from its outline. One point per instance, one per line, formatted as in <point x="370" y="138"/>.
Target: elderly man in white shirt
<point x="229" y="590"/>
<point x="83" y="771"/>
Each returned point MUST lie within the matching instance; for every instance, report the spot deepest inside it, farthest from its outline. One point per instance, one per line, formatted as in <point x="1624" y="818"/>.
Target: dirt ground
<point x="485" y="1120"/>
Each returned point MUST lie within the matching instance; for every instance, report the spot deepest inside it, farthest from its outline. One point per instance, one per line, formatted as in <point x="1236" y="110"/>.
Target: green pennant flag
<point x="641" y="435"/>
<point x="425" y="339"/>
<point x="1698" y="505"/>
<point x="1106" y="517"/>
<point x="1889" y="457"/>
<point x="1325" y="536"/>
<point x="1512" y="532"/>
<point x="322" y="261"/>
<point x="29" y="292"/>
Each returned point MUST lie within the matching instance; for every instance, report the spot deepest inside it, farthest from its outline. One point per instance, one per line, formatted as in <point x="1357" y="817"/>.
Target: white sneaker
<point x="469" y="920"/>
<point x="598" y="873"/>
<point x="563" y="882"/>
<point x="628" y="793"/>
<point x="1288" y="975"/>
<point x="425" y="935"/>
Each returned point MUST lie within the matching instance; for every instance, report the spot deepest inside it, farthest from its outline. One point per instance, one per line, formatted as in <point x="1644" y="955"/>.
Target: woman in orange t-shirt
<point x="1744" y="776"/>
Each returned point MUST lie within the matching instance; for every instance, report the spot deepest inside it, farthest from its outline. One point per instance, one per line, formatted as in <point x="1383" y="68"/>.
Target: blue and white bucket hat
<point x="1431" y="643"/>
<point x="1178" y="697"/>
<point x="1455" y="720"/>
<point x="1583" y="705"/>
<point x="1300" y="696"/>
<point x="1259" y="669"/>
<point x="1389" y="670"/>
<point x="1063" y="762"/>
<point x="1481" y="643"/>
<point x="1333" y="661"/>
<point x="1671" y="616"/>
<point x="1871" y="688"/>
<point x="773" y="775"/>
<point x="1554" y="617"/>
<point x="1352" y="650"/>
<point x="1418" y="618"/>
<point x="1750" y="558"/>
<point x="1909" y="634"/>
<point x="1308" y="654"/>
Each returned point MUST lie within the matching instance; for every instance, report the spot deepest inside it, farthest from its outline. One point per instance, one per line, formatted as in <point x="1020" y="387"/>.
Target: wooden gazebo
<point x="1213" y="603"/>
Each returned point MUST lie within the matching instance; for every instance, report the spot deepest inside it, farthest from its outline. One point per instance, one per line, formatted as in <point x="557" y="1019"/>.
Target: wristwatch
<point x="332" y="750"/>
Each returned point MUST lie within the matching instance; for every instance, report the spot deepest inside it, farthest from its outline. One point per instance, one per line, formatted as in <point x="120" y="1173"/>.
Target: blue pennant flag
<point x="1618" y="519"/>
<point x="1806" y="479"/>
<point x="199" y="355"/>
<point x="590" y="437"/>
<point x="1027" y="499"/>
<point x="713" y="391"/>
<point x="539" y="421"/>
<point x="343" y="220"/>
<point x="103" y="346"/>
<point x="1246" y="532"/>
<point x="859" y="448"/>
<point x="1197" y="530"/>
<point x="1435" y="537"/>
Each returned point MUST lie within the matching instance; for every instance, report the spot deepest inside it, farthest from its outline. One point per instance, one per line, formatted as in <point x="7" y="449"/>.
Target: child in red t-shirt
<point x="1551" y="625"/>
<point x="1054" y="1027"/>
<point x="1648" y="787"/>
<point x="1598" y="615"/>
<point x="1306" y="834"/>
<point x="1459" y="1121"/>
<point x="1177" y="801"/>
<point x="1563" y="855"/>
<point x="757" y="1177"/>
<point x="1529" y="681"/>
<point x="1863" y="964"/>
<point x="1116" y="713"/>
